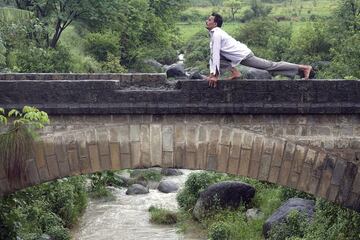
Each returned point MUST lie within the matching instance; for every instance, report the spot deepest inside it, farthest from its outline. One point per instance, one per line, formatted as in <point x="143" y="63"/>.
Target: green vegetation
<point x="17" y="139"/>
<point x="162" y="216"/>
<point x="49" y="208"/>
<point x="330" y="221"/>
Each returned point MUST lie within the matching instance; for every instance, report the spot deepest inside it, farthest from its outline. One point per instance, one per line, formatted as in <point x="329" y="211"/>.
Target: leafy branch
<point x="17" y="140"/>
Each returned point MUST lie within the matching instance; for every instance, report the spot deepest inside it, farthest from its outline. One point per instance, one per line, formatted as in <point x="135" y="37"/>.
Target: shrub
<point x="162" y="216"/>
<point x="294" y="226"/>
<point x="41" y="60"/>
<point x="44" y="209"/>
<point x="195" y="183"/>
<point x="219" y="231"/>
<point x="101" y="45"/>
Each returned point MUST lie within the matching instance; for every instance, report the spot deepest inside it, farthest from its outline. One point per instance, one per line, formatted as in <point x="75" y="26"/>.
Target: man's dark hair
<point x="218" y="19"/>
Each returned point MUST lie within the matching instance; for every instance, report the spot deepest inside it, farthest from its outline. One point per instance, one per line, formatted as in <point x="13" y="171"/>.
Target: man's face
<point x="210" y="23"/>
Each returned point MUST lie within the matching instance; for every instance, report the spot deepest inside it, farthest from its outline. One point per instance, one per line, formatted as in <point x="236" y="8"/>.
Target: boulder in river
<point x="171" y="172"/>
<point x="168" y="186"/>
<point x="223" y="195"/>
<point x="136" y="189"/>
<point x="302" y="205"/>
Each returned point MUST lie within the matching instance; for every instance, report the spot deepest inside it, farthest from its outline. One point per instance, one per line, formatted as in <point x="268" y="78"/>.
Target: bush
<point x="48" y="208"/>
<point x="101" y="45"/>
<point x="195" y="183"/>
<point x="99" y="182"/>
<point x="35" y="59"/>
<point x="162" y="216"/>
<point x="219" y="231"/>
<point x="146" y="175"/>
<point x="295" y="225"/>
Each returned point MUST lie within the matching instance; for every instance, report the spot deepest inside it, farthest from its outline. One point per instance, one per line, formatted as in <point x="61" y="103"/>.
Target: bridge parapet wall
<point x="302" y="134"/>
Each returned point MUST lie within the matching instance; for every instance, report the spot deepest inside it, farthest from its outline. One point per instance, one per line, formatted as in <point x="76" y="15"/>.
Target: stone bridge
<point x="300" y="134"/>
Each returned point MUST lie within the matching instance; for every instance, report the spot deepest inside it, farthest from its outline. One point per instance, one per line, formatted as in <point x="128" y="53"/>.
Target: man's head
<point x="214" y="20"/>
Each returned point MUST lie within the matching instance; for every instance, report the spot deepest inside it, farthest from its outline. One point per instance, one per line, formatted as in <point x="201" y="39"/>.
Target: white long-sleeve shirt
<point x="223" y="44"/>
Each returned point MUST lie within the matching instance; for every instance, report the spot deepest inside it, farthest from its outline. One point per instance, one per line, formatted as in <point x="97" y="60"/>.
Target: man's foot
<point x="306" y="70"/>
<point x="234" y="74"/>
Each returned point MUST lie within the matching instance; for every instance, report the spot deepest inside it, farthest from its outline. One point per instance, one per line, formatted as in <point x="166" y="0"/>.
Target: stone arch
<point x="192" y="145"/>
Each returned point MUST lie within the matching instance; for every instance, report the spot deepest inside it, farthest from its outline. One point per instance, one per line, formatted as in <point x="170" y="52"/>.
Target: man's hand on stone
<point x="212" y="79"/>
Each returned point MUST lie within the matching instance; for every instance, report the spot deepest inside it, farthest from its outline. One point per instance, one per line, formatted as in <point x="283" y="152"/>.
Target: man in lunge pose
<point x="223" y="46"/>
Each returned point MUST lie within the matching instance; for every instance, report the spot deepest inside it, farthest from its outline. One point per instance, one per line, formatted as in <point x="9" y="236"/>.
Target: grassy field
<point x="298" y="11"/>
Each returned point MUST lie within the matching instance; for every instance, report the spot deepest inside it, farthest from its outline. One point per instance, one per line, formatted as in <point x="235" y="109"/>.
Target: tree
<point x="61" y="13"/>
<point x="216" y="2"/>
<point x="16" y="142"/>
<point x="348" y="15"/>
<point x="234" y="7"/>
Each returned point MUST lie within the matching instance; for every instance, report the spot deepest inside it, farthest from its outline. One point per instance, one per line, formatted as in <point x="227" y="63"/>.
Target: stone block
<point x="124" y="134"/>
<point x="313" y="185"/>
<point x="233" y="166"/>
<point x="338" y="174"/>
<point x="168" y="160"/>
<point x="310" y="157"/>
<point x="114" y="134"/>
<point x="333" y="193"/>
<point x="284" y="173"/>
<point x="256" y="157"/>
<point x="4" y="186"/>
<point x="247" y="141"/>
<point x="225" y="135"/>
<point x="201" y="156"/>
<point x="190" y="160"/>
<point x="103" y="142"/>
<point x="2" y="171"/>
<point x="115" y="155"/>
<point x="278" y="153"/>
<point x="347" y="183"/>
<point x="32" y="172"/>
<point x="179" y="133"/>
<point x="44" y="174"/>
<point x="191" y="136"/>
<point x="84" y="163"/>
<point x="268" y="146"/>
<point x="125" y="161"/>
<point x="135" y="154"/>
<point x="53" y="166"/>
<point x="244" y="162"/>
<point x="49" y="146"/>
<point x="180" y="155"/>
<point x="325" y="181"/>
<point x="299" y="157"/>
<point x="156" y="144"/>
<point x="73" y="157"/>
<point x="94" y="157"/>
<point x="304" y="178"/>
<point x="224" y="152"/>
<point x="120" y="119"/>
<point x="293" y="179"/>
<point x="91" y="136"/>
<point x="319" y="165"/>
<point x="135" y="133"/>
<point x="212" y="161"/>
<point x="167" y="138"/>
<point x="356" y="184"/>
<point x="213" y="140"/>
<point x="202" y="134"/>
<point x="289" y="152"/>
<point x="265" y="164"/>
<point x="40" y="155"/>
<point x="274" y="174"/>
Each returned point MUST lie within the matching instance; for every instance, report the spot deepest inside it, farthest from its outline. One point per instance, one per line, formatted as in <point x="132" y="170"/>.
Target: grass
<point x="188" y="30"/>
<point x="298" y="11"/>
<point x="162" y="216"/>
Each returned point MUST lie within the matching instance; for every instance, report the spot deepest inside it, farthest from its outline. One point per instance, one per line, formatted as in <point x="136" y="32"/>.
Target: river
<point x="127" y="217"/>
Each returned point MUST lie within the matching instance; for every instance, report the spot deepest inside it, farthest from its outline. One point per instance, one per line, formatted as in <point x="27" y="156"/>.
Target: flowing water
<point x="127" y="217"/>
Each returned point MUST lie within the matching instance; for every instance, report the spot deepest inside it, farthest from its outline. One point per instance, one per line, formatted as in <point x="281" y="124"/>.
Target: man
<point x="222" y="45"/>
